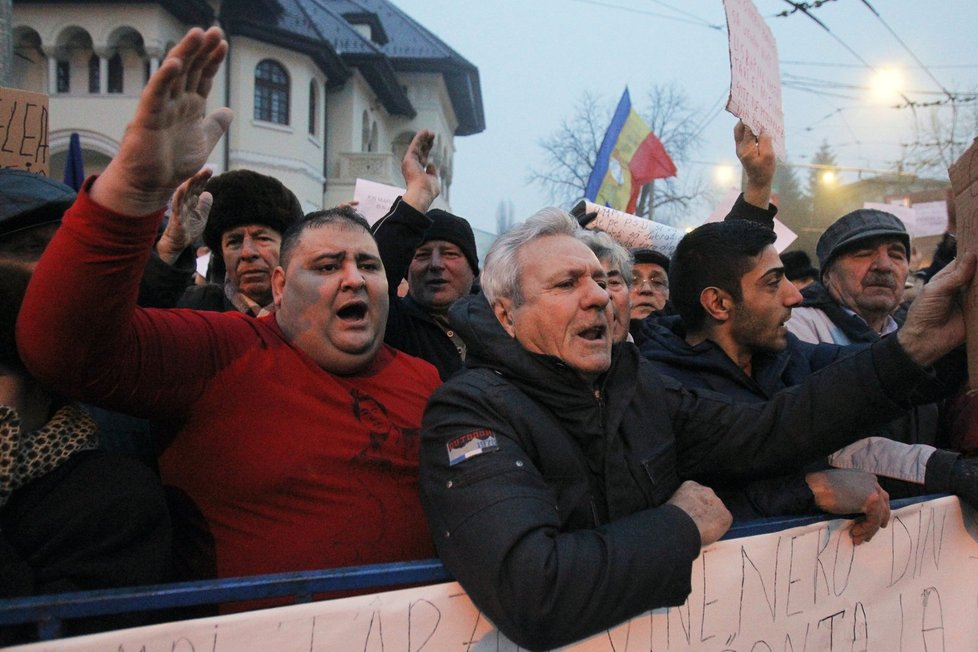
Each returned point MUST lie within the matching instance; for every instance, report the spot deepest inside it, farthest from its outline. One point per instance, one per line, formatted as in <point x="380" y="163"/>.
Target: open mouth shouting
<point x="353" y="312"/>
<point x="594" y="333"/>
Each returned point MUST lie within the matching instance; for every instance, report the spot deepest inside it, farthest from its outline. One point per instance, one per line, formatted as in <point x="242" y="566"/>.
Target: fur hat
<point x="454" y="229"/>
<point x="28" y="199"/>
<point x="244" y="197"/>
<point x="855" y="227"/>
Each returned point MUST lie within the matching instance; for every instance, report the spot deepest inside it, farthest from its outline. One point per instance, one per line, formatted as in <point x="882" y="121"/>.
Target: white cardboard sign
<point x="913" y="588"/>
<point x="374" y="199"/>
<point x="755" y="78"/>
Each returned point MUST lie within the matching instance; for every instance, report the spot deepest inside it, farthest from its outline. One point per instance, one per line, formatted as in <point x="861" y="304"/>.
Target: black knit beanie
<point x="246" y="197"/>
<point x="454" y="229"/>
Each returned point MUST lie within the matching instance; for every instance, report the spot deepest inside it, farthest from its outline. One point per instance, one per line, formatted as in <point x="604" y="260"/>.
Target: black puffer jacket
<point x="556" y="523"/>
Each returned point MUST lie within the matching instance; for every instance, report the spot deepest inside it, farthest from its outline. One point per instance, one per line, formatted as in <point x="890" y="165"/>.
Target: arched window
<point x="271" y="92"/>
<point x="115" y="73"/>
<point x="365" y="133"/>
<point x="63" y="71"/>
<point x="313" y="108"/>
<point x="372" y="147"/>
<point x="93" y="73"/>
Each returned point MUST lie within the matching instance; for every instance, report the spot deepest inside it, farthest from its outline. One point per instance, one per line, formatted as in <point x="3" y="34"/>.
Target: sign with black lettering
<point x="755" y="80"/>
<point x="912" y="588"/>
<point x="24" y="130"/>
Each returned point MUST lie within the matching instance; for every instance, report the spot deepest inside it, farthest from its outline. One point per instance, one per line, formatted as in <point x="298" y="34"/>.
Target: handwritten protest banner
<point x="755" y="79"/>
<point x="964" y="187"/>
<point x="374" y="199"/>
<point x="629" y="230"/>
<point x="912" y="588"/>
<point x="23" y="130"/>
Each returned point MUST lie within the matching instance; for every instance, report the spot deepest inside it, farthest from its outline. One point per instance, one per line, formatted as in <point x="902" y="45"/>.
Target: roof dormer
<point x="368" y="25"/>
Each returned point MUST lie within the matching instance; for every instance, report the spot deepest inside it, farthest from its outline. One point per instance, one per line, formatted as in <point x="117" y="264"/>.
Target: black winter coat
<point x="556" y="524"/>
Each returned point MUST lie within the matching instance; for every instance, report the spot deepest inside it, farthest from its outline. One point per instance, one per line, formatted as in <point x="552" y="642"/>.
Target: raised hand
<point x="935" y="321"/>
<point x="420" y="174"/>
<point x="169" y="138"/>
<point x="756" y="154"/>
<point x="189" y="210"/>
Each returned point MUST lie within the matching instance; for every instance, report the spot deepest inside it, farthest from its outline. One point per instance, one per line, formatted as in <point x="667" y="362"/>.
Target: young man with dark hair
<point x="739" y="346"/>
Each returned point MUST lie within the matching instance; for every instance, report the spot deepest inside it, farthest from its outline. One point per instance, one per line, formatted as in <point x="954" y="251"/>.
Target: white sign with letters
<point x="913" y="588"/>
<point x="755" y="79"/>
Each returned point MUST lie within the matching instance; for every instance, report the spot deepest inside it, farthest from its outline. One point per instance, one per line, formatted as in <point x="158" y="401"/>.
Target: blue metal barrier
<point x="48" y="611"/>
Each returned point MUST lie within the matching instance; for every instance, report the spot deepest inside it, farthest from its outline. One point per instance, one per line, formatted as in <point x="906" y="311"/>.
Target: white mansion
<point x="324" y="91"/>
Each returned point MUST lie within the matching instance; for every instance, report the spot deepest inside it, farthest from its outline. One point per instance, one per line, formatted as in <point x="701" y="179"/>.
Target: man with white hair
<point x="552" y="468"/>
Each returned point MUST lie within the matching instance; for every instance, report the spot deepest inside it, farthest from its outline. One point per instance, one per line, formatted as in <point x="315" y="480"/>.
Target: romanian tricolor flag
<point x="630" y="157"/>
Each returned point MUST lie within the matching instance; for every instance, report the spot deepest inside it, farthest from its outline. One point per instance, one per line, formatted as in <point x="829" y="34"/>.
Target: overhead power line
<point x="608" y="5"/>
<point x="907" y="49"/>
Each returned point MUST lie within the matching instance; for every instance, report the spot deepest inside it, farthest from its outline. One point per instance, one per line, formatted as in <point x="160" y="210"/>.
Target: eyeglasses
<point x="656" y="285"/>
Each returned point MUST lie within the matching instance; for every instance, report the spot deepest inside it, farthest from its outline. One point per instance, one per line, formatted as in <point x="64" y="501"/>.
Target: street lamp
<point x="886" y="85"/>
<point x="724" y="175"/>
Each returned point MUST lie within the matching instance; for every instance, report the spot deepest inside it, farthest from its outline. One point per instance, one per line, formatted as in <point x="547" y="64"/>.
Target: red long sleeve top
<point x="293" y="468"/>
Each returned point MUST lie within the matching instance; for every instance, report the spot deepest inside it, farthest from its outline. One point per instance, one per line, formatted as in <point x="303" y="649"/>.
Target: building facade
<point x="323" y="91"/>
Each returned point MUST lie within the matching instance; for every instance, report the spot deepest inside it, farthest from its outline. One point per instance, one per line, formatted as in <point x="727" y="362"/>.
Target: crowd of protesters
<point x="565" y="427"/>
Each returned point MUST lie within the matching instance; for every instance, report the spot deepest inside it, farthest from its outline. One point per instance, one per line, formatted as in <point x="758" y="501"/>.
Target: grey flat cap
<point x="856" y="226"/>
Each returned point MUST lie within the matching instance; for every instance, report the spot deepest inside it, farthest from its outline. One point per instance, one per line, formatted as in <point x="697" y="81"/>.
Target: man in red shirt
<point x="293" y="437"/>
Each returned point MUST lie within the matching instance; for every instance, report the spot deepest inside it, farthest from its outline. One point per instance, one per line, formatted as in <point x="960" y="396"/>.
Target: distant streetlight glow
<point x="828" y="177"/>
<point x="886" y="85"/>
<point x="724" y="175"/>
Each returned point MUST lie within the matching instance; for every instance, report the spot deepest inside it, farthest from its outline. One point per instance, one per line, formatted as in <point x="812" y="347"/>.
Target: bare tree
<point x="677" y="123"/>
<point x="572" y="150"/>
<point x="941" y="134"/>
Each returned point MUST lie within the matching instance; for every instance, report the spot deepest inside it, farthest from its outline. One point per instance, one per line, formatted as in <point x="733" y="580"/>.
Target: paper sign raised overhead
<point x="755" y="80"/>
<point x="374" y="199"/>
<point x="23" y="130"/>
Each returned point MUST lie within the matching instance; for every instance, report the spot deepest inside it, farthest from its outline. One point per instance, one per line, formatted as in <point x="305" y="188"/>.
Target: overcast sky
<point x="537" y="57"/>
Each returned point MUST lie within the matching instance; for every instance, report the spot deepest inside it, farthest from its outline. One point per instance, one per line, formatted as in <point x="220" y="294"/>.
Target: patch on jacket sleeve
<point x="471" y="444"/>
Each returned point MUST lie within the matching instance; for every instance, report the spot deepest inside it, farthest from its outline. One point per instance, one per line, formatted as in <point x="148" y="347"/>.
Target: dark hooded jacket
<point x="547" y="496"/>
<point x="707" y="366"/>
